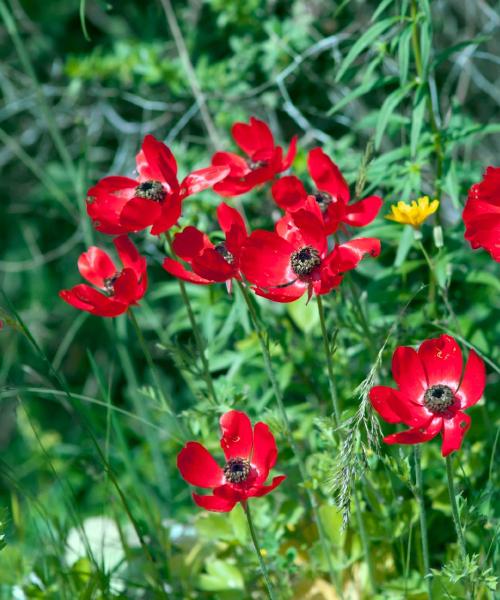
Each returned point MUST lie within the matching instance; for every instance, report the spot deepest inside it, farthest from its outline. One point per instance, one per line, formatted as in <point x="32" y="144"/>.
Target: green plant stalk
<point x="196" y="332"/>
<point x="365" y="542"/>
<point x="288" y="431"/>
<point x="438" y="144"/>
<point x="263" y="568"/>
<point x="423" y="518"/>
<point x="329" y="363"/>
<point x="456" y="518"/>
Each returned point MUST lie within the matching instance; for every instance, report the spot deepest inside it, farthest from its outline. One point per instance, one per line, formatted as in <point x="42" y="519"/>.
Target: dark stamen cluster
<point x="256" y="164"/>
<point x="224" y="252"/>
<point x="109" y="283"/>
<point x="324" y="199"/>
<point x="439" y="398"/>
<point x="151" y="190"/>
<point x="237" y="470"/>
<point x="305" y="260"/>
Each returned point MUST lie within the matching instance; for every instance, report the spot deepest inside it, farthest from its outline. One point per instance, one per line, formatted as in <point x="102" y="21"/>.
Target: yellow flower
<point x="413" y="214"/>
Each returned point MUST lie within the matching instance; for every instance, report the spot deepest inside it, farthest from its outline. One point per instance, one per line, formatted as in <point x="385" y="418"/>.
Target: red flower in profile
<point x="331" y="194"/>
<point x="250" y="455"/>
<point x="294" y="259"/>
<point x="432" y="393"/>
<point x="482" y="214"/>
<point x="210" y="263"/>
<point x="263" y="162"/>
<point x="119" y="288"/>
<point x="119" y="205"/>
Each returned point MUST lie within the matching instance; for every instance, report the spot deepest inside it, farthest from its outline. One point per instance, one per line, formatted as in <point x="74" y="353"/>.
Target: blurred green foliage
<point x="341" y="75"/>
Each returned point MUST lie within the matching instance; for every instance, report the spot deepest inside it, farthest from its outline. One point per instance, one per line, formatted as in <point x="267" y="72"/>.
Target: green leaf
<point x="221" y="576"/>
<point x="364" y="41"/>
<point x="404" y="54"/>
<point x="388" y="107"/>
<point x="405" y="244"/>
<point x="417" y="119"/>
<point x="361" y="90"/>
<point x="304" y="315"/>
<point x="380" y="9"/>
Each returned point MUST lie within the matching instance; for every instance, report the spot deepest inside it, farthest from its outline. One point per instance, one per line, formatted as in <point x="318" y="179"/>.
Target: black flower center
<point x="109" y="283"/>
<point x="237" y="470"/>
<point x="224" y="252"/>
<point x="256" y="164"/>
<point x="324" y="199"/>
<point x="305" y="260"/>
<point x="439" y="398"/>
<point x="151" y="190"/>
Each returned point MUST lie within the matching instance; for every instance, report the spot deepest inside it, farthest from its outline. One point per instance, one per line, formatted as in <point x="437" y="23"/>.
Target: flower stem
<point x="329" y="362"/>
<point x="365" y="542"/>
<point x="263" y="568"/>
<point x="288" y="431"/>
<point x="456" y="518"/>
<point x="423" y="518"/>
<point x="196" y="332"/>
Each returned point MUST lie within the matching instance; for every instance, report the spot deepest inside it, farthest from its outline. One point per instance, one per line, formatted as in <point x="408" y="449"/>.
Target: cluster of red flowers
<point x="283" y="264"/>
<point x="298" y="257"/>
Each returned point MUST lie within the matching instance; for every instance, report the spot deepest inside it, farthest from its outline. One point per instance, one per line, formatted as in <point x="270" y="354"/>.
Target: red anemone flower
<point x="432" y="393"/>
<point x="264" y="159"/>
<point x="331" y="194"/>
<point x="119" y="288"/>
<point x="294" y="259"/>
<point x="210" y="263"/>
<point x="250" y="455"/>
<point x="119" y="205"/>
<point x="482" y="214"/>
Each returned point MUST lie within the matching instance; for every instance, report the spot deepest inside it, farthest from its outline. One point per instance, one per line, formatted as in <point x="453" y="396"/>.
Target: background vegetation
<point x="416" y="83"/>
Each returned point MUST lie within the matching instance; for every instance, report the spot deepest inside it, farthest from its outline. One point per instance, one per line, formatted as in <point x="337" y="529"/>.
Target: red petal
<point x="473" y="382"/>
<point x="95" y="265"/>
<point x="265" y="259"/>
<point x="125" y="288"/>
<point x="214" y="503"/>
<point x="171" y="209"/>
<point x="363" y="212"/>
<point x="385" y="403"/>
<point x="264" y="453"/>
<point x="409" y="373"/>
<point x="139" y="213"/>
<point x="237" y="435"/>
<point x="254" y="137"/>
<point x="190" y="243"/>
<point x="230" y="220"/>
<point x="237" y="165"/>
<point x="416" y="435"/>
<point x="289" y="192"/>
<point x="84" y="297"/>
<point x="156" y="161"/>
<point x="327" y="176"/>
<point x="290" y="155"/>
<point x="198" y="467"/>
<point x="442" y="361"/>
<point x="202" y="179"/>
<point x="311" y="230"/>
<point x="286" y="294"/>
<point x="265" y="489"/>
<point x="130" y="257"/>
<point x="111" y="185"/>
<point x="177" y="270"/>
<point x="454" y="431"/>
<point x="211" y="265"/>
<point x="232" y="186"/>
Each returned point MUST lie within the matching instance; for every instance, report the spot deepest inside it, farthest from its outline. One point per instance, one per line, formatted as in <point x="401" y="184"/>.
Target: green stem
<point x="365" y="542"/>
<point x="423" y="518"/>
<point x="438" y="145"/>
<point x="263" y="568"/>
<point x="288" y="431"/>
<point x="456" y="518"/>
<point x="196" y="332"/>
<point x="329" y="362"/>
